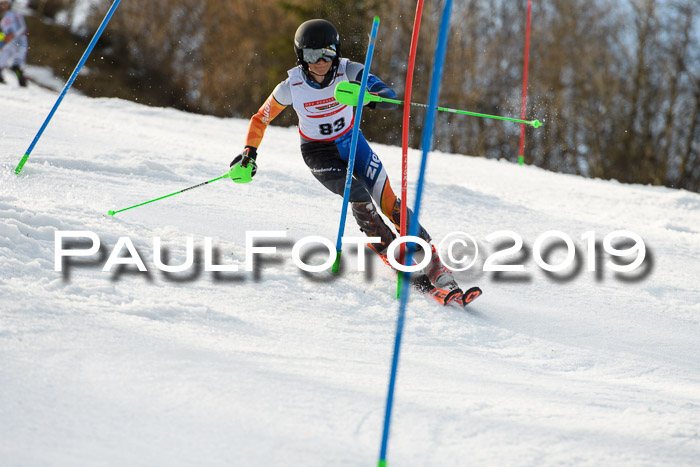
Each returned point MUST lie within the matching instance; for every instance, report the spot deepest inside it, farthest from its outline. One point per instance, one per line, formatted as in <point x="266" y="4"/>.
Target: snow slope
<point x="279" y="367"/>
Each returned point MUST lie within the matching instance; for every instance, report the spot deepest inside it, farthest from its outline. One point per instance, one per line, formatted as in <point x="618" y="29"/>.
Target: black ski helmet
<point x="317" y="34"/>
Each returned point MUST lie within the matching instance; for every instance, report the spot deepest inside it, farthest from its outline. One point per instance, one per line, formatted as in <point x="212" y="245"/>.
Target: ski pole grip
<point x="240" y="174"/>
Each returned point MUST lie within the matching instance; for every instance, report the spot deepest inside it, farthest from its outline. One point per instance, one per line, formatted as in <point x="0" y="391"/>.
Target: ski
<point x="468" y="296"/>
<point x="421" y="283"/>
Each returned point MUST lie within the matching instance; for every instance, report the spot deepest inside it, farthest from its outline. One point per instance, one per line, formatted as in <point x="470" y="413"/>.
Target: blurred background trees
<point x="616" y="82"/>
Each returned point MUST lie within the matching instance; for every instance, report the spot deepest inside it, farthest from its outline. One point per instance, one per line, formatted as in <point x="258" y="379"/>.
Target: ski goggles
<point x="326" y="54"/>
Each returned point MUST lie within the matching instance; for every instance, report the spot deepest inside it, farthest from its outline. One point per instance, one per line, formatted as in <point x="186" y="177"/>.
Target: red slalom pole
<point x="521" y="153"/>
<point x="404" y="137"/>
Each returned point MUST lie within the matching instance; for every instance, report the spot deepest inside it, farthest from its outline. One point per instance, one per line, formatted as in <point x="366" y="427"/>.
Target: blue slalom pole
<point x="69" y="83"/>
<point x="426" y="143"/>
<point x="353" y="143"/>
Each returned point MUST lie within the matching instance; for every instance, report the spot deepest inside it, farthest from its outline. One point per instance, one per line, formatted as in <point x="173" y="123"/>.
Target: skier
<point x="325" y="127"/>
<point x="13" y="45"/>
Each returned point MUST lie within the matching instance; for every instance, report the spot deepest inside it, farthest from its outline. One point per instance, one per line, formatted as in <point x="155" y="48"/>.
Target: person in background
<point x="13" y="41"/>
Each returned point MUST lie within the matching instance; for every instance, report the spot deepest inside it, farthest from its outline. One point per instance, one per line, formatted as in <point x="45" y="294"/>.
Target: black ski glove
<point x="246" y="157"/>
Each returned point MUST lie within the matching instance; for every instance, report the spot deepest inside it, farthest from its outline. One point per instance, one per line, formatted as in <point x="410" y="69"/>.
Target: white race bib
<point x="321" y="117"/>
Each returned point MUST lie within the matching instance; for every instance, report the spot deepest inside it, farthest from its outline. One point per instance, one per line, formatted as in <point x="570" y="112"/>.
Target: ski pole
<point x="353" y="146"/>
<point x="348" y="93"/>
<point x="237" y="174"/>
<point x="68" y="84"/>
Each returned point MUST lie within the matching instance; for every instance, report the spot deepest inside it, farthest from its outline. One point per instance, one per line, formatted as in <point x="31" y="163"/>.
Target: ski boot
<point x="446" y="288"/>
<point x="372" y="224"/>
<point x="396" y="220"/>
<point x="20" y="76"/>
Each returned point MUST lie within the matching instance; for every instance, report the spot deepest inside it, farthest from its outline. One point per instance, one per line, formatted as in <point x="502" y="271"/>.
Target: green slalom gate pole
<point x="348" y="93"/>
<point x="237" y="174"/>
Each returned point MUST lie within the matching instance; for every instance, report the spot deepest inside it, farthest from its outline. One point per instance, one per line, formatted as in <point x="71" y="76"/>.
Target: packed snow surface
<point x="281" y="367"/>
